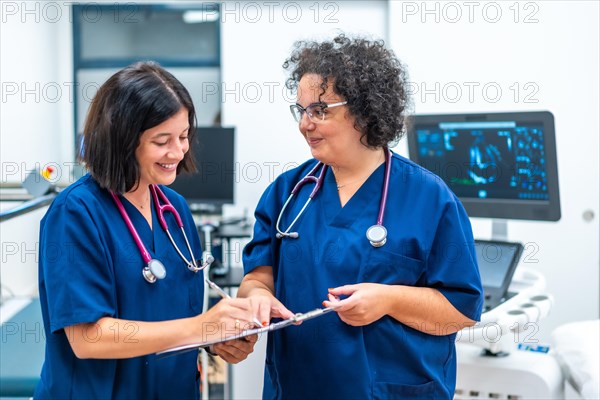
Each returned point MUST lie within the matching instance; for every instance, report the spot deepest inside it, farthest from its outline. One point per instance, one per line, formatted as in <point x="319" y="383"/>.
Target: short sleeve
<point x="75" y="268"/>
<point x="259" y="251"/>
<point x="452" y="263"/>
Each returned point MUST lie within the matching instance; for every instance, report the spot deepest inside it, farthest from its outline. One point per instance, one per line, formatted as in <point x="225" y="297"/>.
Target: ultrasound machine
<point x="501" y="166"/>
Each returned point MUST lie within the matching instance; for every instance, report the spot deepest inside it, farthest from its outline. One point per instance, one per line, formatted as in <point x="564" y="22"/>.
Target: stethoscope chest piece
<point x="154" y="270"/>
<point x="377" y="235"/>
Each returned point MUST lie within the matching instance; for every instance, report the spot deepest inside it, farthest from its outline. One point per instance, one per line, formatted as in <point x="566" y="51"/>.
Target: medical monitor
<point x="212" y="186"/>
<point x="500" y="165"/>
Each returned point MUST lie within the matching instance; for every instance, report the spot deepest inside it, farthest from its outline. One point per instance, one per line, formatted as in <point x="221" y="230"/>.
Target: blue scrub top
<point x="429" y="244"/>
<point x="90" y="268"/>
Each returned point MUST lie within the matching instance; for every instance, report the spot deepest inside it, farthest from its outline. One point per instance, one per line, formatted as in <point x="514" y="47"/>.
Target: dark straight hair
<point x="138" y="97"/>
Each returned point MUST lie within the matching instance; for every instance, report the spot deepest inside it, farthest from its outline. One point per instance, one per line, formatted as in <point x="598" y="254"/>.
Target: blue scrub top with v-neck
<point x="90" y="268"/>
<point x="429" y="244"/>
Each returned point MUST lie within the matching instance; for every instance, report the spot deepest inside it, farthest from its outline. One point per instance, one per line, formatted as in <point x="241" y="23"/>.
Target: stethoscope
<point x="154" y="269"/>
<point x="377" y="234"/>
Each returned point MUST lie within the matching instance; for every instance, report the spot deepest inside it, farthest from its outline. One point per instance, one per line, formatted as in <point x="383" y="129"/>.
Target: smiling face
<point x="334" y="139"/>
<point x="161" y="149"/>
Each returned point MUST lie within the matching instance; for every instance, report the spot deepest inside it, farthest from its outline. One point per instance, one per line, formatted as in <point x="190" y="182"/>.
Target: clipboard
<point x="270" y="328"/>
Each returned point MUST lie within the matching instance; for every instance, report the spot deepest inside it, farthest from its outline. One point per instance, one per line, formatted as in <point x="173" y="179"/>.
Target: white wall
<point x="549" y="50"/>
<point x="36" y="120"/>
<point x="37" y="75"/>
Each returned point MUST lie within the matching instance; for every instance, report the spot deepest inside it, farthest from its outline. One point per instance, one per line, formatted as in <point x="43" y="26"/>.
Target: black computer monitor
<point x="500" y="165"/>
<point x="212" y="185"/>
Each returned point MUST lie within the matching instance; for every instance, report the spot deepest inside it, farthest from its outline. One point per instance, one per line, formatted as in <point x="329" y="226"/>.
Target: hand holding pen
<point x="224" y="295"/>
<point x="227" y="319"/>
<point x="208" y="260"/>
<point x="235" y="350"/>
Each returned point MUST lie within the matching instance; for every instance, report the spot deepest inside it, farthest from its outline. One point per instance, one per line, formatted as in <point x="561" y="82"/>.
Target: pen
<point x="217" y="289"/>
<point x="224" y="295"/>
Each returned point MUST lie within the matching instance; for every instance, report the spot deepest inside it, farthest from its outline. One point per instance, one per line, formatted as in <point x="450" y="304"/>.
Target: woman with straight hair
<point x="115" y="285"/>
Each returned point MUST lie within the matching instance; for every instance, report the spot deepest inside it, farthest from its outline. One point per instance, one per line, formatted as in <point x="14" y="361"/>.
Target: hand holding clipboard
<point x="247" y="332"/>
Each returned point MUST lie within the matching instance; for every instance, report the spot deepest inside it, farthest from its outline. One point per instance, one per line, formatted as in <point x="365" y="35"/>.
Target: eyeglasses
<point x="315" y="111"/>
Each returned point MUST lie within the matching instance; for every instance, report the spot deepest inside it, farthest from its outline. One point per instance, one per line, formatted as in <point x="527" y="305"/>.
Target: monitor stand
<point x="500" y="230"/>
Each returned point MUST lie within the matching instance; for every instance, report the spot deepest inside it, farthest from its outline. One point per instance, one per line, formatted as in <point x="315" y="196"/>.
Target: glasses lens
<point x="316" y="112"/>
<point x="296" y="112"/>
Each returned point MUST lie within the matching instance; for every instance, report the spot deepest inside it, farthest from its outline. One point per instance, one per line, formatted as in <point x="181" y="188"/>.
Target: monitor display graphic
<point x="500" y="165"/>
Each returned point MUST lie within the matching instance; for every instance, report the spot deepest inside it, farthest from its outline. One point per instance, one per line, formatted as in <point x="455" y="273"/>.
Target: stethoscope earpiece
<point x="194" y="268"/>
<point x="292" y="235"/>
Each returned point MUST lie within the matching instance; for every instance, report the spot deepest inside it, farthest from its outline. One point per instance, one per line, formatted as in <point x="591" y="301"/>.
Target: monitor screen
<point x="500" y="165"/>
<point x="497" y="261"/>
<point x="212" y="185"/>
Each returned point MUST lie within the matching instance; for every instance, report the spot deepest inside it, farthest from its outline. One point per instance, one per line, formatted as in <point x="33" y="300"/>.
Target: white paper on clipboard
<point x="273" y="327"/>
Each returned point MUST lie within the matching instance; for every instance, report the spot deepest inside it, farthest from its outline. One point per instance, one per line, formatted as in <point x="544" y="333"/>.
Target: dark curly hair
<point x="366" y="74"/>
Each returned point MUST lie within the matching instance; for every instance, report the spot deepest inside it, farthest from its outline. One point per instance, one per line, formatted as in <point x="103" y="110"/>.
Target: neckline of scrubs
<point x="147" y="234"/>
<point x="367" y="193"/>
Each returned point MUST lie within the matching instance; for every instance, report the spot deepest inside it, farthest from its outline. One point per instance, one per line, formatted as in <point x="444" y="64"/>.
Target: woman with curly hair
<point x="399" y="294"/>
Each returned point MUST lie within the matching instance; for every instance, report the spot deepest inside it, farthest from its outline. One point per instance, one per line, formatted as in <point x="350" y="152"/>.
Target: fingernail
<point x="323" y="304"/>
<point x="330" y="289"/>
<point x="265" y="323"/>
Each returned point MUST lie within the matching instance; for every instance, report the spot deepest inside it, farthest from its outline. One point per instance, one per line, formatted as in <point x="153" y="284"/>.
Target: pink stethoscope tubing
<point x="154" y="269"/>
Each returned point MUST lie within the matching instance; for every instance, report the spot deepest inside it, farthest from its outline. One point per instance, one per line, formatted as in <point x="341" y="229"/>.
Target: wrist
<point x="394" y="303"/>
<point x="260" y="291"/>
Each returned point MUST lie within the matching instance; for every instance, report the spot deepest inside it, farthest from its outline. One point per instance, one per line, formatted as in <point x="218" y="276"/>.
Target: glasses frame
<point x="311" y="116"/>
